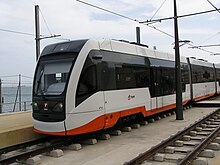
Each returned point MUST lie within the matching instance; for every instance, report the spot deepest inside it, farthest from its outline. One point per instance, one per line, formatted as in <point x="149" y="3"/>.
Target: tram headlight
<point x="35" y="106"/>
<point x="58" y="107"/>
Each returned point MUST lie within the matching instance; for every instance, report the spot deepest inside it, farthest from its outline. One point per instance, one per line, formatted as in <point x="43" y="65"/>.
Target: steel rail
<point x="24" y="144"/>
<point x="55" y="142"/>
<point x="200" y="147"/>
<point x="148" y="154"/>
<point x="24" y="155"/>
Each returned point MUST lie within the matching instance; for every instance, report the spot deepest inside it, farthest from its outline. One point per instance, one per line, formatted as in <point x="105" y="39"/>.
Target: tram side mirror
<point x="97" y="57"/>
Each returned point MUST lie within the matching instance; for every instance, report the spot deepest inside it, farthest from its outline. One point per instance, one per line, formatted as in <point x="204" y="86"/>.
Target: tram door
<point x="157" y="99"/>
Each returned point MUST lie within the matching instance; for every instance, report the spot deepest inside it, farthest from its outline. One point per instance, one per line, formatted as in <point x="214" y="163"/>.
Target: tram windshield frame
<point x="52" y="74"/>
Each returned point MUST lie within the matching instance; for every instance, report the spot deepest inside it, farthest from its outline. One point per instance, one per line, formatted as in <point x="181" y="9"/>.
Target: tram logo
<point x="131" y="97"/>
<point x="45" y="106"/>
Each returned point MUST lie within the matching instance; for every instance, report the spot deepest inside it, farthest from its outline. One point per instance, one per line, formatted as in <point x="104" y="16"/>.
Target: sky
<point x="74" y="20"/>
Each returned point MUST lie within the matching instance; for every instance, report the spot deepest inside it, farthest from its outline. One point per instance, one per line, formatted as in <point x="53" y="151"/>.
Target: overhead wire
<point x="64" y="39"/>
<point x="196" y="47"/>
<point x="120" y="15"/>
<point x="51" y="35"/>
<point x="29" y="34"/>
<point x="158" y="9"/>
<point x="151" y="26"/>
<point x="216" y="33"/>
<point x="45" y="22"/>
<point x="203" y="46"/>
<point x="209" y="38"/>
<point x="106" y="10"/>
<point x="213" y="6"/>
<point x="200" y="46"/>
<point x="161" y="31"/>
<point x="17" y="32"/>
<point x="180" y="16"/>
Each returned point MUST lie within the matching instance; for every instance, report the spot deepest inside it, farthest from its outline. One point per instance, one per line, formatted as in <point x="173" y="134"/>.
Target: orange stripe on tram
<point x="108" y="120"/>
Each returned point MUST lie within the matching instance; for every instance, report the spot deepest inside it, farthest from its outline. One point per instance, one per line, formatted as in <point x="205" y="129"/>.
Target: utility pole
<point x="179" y="105"/>
<point x="0" y="96"/>
<point x="37" y="31"/>
<point x="19" y="86"/>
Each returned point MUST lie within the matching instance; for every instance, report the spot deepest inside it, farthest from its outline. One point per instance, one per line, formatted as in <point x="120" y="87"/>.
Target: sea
<point x="11" y="99"/>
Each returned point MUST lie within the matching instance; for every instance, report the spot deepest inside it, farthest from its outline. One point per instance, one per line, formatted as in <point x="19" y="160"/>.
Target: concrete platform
<point x="119" y="149"/>
<point x="208" y="103"/>
<point x="16" y="128"/>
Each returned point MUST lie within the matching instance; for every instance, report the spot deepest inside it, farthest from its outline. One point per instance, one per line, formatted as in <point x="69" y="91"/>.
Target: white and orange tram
<point x="87" y="85"/>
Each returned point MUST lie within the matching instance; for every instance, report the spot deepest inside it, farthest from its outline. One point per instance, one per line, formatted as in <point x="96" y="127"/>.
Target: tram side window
<point x="125" y="77"/>
<point x="162" y="77"/>
<point x="210" y="75"/>
<point x="109" y="78"/>
<point x="197" y="74"/>
<point x="131" y="76"/>
<point x="185" y="76"/>
<point x="167" y="81"/>
<point x="142" y="75"/>
<point x="87" y="84"/>
<point x="124" y="71"/>
<point x="202" y="74"/>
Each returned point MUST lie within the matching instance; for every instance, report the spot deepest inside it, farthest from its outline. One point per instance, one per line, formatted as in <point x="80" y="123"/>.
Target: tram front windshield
<point x="51" y="76"/>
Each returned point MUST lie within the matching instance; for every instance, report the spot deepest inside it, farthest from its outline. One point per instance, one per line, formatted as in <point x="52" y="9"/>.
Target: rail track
<point x="20" y="152"/>
<point x="50" y="146"/>
<point x="193" y="144"/>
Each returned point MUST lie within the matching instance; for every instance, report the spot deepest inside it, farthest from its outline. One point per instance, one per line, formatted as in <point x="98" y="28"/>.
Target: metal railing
<point x="16" y="106"/>
<point x="13" y="94"/>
